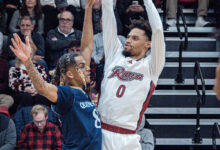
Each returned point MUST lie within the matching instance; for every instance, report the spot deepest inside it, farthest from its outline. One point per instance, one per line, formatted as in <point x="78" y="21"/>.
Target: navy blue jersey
<point x="81" y="126"/>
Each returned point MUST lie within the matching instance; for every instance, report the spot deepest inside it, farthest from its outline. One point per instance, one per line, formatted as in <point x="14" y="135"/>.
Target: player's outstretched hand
<point x="20" y="49"/>
<point x="89" y="3"/>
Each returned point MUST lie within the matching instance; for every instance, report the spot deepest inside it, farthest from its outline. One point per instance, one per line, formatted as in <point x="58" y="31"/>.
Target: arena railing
<point x="201" y="97"/>
<point x="215" y="132"/>
<point x="183" y="44"/>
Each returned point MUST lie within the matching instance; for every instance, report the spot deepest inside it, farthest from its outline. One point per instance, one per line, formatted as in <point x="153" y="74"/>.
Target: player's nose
<point x="87" y="68"/>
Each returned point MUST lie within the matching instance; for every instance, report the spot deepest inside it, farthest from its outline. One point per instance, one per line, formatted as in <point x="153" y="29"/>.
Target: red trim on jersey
<point x="144" y="107"/>
<point x="116" y="129"/>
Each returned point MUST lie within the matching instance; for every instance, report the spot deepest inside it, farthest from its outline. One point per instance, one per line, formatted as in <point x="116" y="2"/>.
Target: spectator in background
<point x="7" y="127"/>
<point x="202" y="12"/>
<point x="47" y="2"/>
<point x="75" y="3"/>
<point x="97" y="14"/>
<point x="74" y="47"/>
<point x="11" y="6"/>
<point x="3" y="18"/>
<point x="1" y="42"/>
<point x="40" y="134"/>
<point x="22" y="117"/>
<point x="4" y="67"/>
<point x="59" y="39"/>
<point x="36" y="40"/>
<point x="51" y="13"/>
<point x="217" y="10"/>
<point x="3" y="26"/>
<point x="147" y="137"/>
<point x="30" y="8"/>
<point x="130" y="9"/>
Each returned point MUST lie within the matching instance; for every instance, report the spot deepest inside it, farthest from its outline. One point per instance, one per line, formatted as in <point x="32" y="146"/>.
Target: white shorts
<point x="117" y="141"/>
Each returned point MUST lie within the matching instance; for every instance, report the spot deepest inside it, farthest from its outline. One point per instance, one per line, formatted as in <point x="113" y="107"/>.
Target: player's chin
<point x="88" y="80"/>
<point x="126" y="53"/>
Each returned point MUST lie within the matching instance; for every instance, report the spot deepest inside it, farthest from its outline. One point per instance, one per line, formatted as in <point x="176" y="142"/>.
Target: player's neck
<point x="138" y="57"/>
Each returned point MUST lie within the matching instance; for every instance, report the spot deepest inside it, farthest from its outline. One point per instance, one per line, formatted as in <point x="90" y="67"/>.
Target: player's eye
<point x="81" y="66"/>
<point x="135" y="38"/>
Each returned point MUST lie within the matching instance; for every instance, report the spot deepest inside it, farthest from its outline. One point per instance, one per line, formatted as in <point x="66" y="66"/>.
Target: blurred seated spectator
<point x="202" y="12"/>
<point x="22" y="117"/>
<point x="40" y="134"/>
<point x="217" y="10"/>
<point x="97" y="15"/>
<point x="6" y="102"/>
<point x="47" y="2"/>
<point x="7" y="126"/>
<point x="29" y="8"/>
<point x="4" y="67"/>
<point x="83" y="2"/>
<point x="11" y="6"/>
<point x="75" y="3"/>
<point x="51" y="14"/>
<point x="147" y="138"/>
<point x="74" y="47"/>
<point x="24" y="93"/>
<point x="98" y="57"/>
<point x="1" y="42"/>
<point x="130" y="9"/>
<point x="3" y="18"/>
<point x="36" y="40"/>
<point x="59" y="39"/>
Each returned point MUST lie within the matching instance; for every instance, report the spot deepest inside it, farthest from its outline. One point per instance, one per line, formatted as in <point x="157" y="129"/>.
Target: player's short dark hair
<point x="64" y="62"/>
<point x="143" y="25"/>
<point x="75" y="43"/>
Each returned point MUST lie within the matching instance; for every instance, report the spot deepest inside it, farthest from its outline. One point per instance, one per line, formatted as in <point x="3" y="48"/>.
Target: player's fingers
<point x="17" y="38"/>
<point x="12" y="48"/>
<point x="14" y="43"/>
<point x="27" y="41"/>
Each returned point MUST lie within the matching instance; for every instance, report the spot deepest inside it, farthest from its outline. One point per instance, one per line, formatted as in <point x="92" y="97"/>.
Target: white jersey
<point x="129" y="83"/>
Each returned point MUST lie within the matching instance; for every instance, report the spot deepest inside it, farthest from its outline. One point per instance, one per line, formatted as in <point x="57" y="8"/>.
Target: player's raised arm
<point x="110" y="39"/>
<point x="87" y="36"/>
<point x="157" y="42"/>
<point x="23" y="52"/>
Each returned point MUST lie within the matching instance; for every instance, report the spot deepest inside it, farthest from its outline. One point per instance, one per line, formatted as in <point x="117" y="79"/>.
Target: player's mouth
<point x="88" y="75"/>
<point x="127" y="46"/>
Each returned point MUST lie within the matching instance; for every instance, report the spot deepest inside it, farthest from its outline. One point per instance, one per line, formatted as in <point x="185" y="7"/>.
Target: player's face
<point x="40" y="121"/>
<point x="136" y="44"/>
<point x="82" y="73"/>
<point x="85" y="69"/>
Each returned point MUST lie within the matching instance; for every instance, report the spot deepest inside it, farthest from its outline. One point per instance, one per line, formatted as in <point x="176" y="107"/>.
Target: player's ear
<point x="69" y="74"/>
<point x="147" y="45"/>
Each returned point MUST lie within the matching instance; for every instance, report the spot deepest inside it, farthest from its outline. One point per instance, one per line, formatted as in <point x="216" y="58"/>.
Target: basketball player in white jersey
<point x="130" y="76"/>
